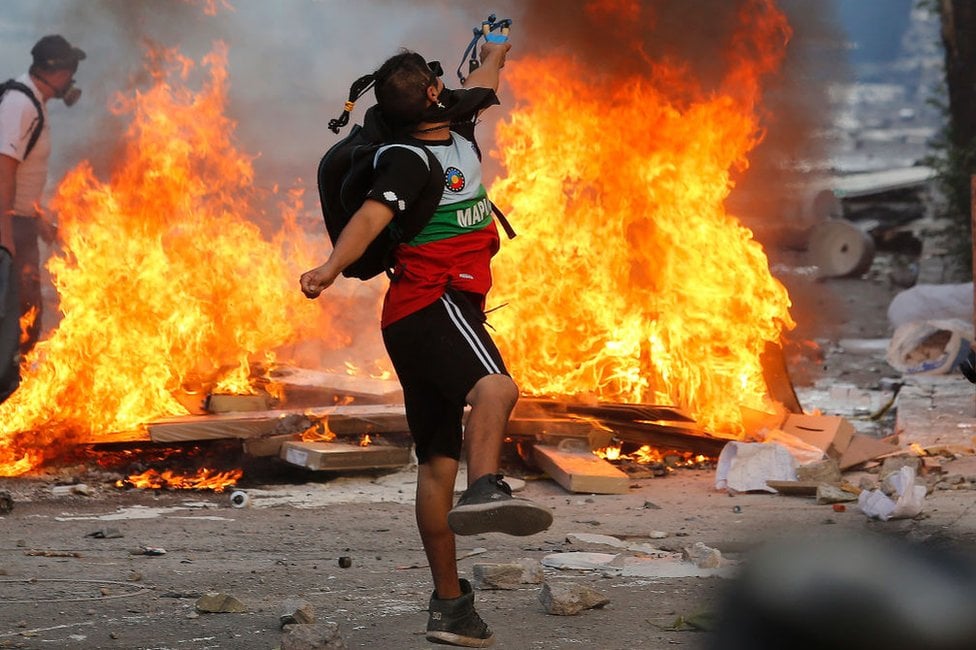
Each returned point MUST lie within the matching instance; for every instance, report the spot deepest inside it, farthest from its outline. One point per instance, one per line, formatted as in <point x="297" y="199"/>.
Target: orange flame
<point x="629" y="280"/>
<point x="164" y="281"/>
<point x="205" y="479"/>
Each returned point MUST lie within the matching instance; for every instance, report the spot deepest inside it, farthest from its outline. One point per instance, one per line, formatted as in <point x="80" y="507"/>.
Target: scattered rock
<point x="894" y="464"/>
<point x="827" y="494"/>
<point x="105" y="533"/>
<point x="78" y="488"/>
<point x="345" y="561"/>
<point x="824" y="471"/>
<point x="508" y="576"/>
<point x="296" y="612"/>
<point x="218" y="603"/>
<point x="704" y="557"/>
<point x="6" y="502"/>
<point x="570" y="599"/>
<point x="594" y="539"/>
<point x="317" y="636"/>
<point x="657" y="534"/>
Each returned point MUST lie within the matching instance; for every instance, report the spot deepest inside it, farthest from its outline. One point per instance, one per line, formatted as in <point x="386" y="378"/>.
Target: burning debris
<point x="663" y="297"/>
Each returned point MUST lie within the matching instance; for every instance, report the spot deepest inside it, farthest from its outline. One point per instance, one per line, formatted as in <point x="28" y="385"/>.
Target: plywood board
<point x="337" y="456"/>
<point x="304" y="387"/>
<point x="352" y="419"/>
<point x="581" y="471"/>
<point x="220" y="403"/>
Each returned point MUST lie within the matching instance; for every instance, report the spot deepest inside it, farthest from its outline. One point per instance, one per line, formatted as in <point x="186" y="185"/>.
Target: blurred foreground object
<point x="849" y="592"/>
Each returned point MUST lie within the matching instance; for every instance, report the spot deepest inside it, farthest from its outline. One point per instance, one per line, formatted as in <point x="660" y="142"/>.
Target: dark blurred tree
<point x="955" y="157"/>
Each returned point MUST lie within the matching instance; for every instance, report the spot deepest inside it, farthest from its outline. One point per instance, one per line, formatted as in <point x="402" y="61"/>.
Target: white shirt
<point x="17" y="120"/>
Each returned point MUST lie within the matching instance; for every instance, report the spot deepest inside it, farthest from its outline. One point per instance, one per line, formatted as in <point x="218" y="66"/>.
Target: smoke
<point x="291" y="63"/>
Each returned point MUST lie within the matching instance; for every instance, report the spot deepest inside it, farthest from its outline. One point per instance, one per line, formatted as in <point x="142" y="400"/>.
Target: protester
<point x="433" y="319"/>
<point x="25" y="149"/>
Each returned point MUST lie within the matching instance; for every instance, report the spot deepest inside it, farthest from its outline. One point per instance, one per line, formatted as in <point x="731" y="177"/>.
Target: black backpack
<point x="345" y="176"/>
<point x="11" y="84"/>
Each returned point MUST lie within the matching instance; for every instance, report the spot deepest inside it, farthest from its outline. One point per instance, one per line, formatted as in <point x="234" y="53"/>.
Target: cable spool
<point x="239" y="499"/>
<point x="840" y="249"/>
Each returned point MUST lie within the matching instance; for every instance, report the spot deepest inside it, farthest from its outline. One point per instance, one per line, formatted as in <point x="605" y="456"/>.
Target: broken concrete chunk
<point x="219" y="603"/>
<point x="591" y="538"/>
<point x="296" y="612"/>
<point x="570" y="599"/>
<point x="824" y="471"/>
<point x="317" y="636"/>
<point x="65" y="490"/>
<point x="508" y="576"/>
<point x="893" y="465"/>
<point x="832" y="494"/>
<point x="704" y="557"/>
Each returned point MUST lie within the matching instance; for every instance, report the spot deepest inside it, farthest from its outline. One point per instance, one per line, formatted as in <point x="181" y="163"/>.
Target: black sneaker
<point x="454" y="621"/>
<point x="489" y="507"/>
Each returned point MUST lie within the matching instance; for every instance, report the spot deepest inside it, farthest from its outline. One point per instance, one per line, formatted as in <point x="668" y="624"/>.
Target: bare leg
<point x="435" y="496"/>
<point x="492" y="400"/>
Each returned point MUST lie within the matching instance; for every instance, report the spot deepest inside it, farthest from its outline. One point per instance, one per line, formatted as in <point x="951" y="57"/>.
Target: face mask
<point x="71" y="95"/>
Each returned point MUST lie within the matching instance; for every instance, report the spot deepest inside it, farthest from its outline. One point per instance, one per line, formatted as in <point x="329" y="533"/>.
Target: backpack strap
<point x="12" y="84"/>
<point x="503" y="220"/>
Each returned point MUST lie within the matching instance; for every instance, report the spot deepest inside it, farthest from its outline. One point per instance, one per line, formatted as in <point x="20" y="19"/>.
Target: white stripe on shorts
<point x="454" y="312"/>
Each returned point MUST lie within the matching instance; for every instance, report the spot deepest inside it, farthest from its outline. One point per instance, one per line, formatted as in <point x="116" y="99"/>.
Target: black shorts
<point x="439" y="354"/>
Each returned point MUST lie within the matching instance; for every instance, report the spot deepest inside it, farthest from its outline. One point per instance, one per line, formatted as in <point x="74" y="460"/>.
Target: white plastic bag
<point x="929" y="347"/>
<point x="911" y="497"/>
<point x="938" y="301"/>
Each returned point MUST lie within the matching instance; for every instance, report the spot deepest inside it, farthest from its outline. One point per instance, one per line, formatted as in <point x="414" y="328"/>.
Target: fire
<point x="205" y="479"/>
<point x="165" y="281"/>
<point x="645" y="455"/>
<point x="318" y="432"/>
<point x="629" y="280"/>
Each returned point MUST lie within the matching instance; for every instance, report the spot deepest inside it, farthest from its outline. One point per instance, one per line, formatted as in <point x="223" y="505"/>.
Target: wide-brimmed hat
<point x="54" y="52"/>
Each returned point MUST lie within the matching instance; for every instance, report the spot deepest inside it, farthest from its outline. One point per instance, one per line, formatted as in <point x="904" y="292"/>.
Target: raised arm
<point x="492" y="57"/>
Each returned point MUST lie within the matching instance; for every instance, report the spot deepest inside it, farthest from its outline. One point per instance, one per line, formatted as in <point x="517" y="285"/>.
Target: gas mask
<point x="70" y="95"/>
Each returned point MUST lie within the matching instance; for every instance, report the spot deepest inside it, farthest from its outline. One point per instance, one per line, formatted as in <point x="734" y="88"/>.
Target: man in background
<point x="25" y="149"/>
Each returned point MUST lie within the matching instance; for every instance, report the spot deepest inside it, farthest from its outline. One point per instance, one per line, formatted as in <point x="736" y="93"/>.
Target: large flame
<point x="165" y="282"/>
<point x="629" y="280"/>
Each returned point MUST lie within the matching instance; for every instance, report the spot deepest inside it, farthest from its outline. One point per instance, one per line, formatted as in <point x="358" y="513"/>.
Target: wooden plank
<point x="879" y="182"/>
<point x="222" y="403"/>
<point x="269" y="445"/>
<point x="580" y="471"/>
<point x="796" y="488"/>
<point x="305" y="387"/>
<point x="670" y="436"/>
<point x="365" y="418"/>
<point x="537" y="407"/>
<point x="552" y="431"/>
<point x="337" y="456"/>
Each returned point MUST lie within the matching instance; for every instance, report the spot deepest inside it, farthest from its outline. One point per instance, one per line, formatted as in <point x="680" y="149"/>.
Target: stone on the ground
<point x="316" y="636"/>
<point x="704" y="557"/>
<point x="562" y="599"/>
<point x="219" y="603"/>
<point x="824" y="471"/>
<point x="894" y="464"/>
<point x="827" y="494"/>
<point x="511" y="575"/>
<point x="581" y="539"/>
<point x="295" y="611"/>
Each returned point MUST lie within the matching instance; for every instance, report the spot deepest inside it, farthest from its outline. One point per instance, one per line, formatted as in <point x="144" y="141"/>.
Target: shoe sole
<point x="449" y="638"/>
<point x="511" y="517"/>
